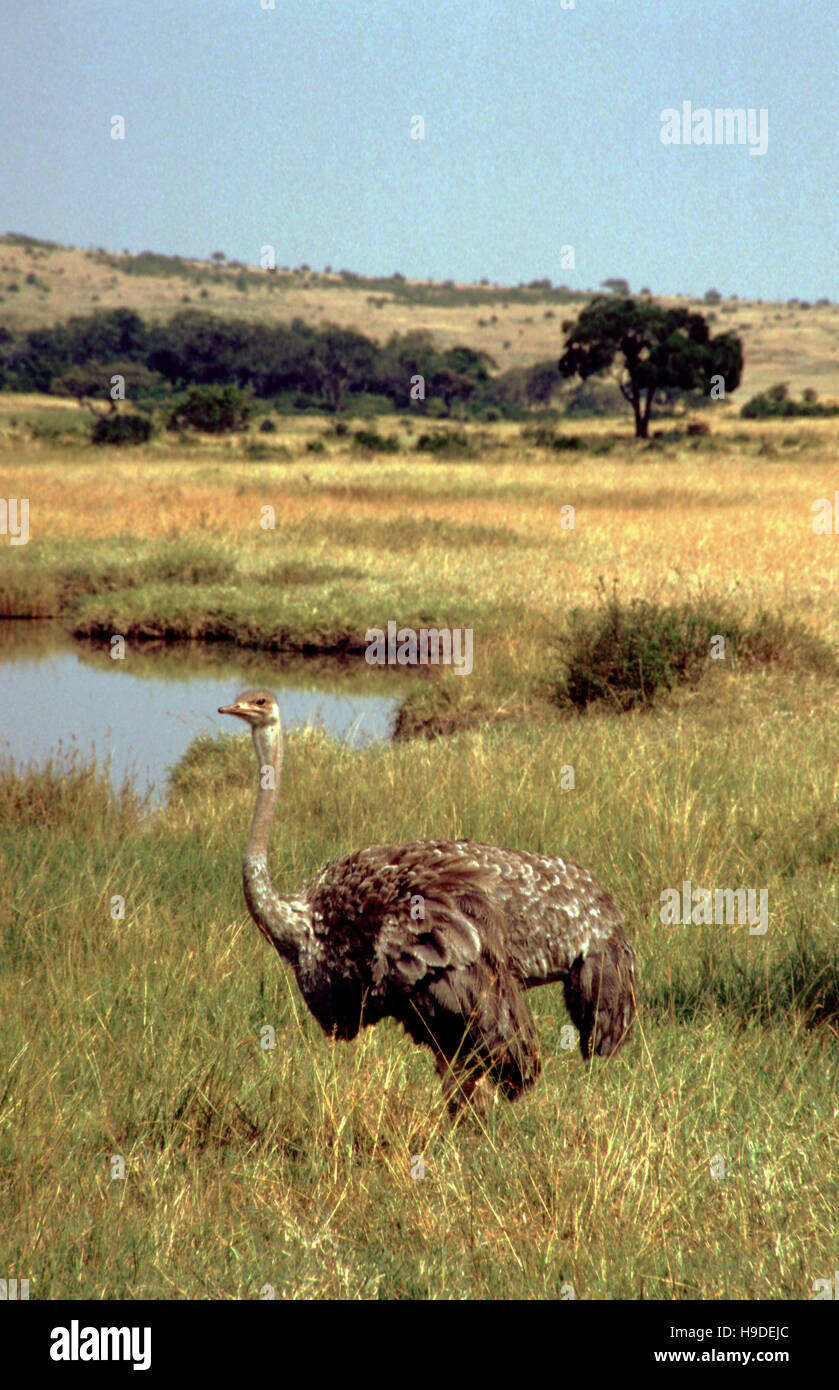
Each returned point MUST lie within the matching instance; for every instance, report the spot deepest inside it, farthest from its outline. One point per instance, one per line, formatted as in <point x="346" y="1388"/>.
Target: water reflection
<point x="58" y="697"/>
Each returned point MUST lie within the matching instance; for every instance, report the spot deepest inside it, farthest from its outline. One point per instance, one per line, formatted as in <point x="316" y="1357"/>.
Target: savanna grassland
<point x="701" y="1161"/>
<point x="42" y="283"/>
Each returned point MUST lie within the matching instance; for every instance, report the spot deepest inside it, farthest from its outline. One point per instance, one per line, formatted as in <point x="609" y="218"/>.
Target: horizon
<point x="17" y="237"/>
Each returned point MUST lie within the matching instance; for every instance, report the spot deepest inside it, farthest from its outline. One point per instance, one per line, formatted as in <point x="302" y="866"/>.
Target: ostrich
<point x="444" y="936"/>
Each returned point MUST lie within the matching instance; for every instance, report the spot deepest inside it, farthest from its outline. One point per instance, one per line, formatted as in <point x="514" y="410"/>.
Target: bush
<point x="366" y="405"/>
<point x="121" y="429"/>
<point x="630" y="654"/>
<point x="627" y="654"/>
<point x="592" y="397"/>
<point x="776" y="402"/>
<point x="376" y="443"/>
<point x="546" y="438"/>
<point x="212" y="409"/>
<point x="444" y="442"/>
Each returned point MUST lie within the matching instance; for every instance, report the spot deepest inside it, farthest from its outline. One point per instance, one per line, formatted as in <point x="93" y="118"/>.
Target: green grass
<point x="186" y="589"/>
<point x="292" y="1167"/>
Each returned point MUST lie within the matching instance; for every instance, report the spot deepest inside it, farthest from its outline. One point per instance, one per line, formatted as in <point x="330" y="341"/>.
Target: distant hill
<point x="42" y="283"/>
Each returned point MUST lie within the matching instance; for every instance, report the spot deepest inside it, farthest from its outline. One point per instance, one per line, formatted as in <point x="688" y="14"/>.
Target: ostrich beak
<point x="255" y="707"/>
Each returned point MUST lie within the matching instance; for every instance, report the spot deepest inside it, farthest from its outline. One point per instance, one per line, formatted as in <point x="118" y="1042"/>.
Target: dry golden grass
<point x="734" y="516"/>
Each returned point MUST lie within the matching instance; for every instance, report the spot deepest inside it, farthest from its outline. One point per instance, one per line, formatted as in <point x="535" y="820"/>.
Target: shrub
<point x="444" y="442"/>
<point x="212" y="409"/>
<point x="121" y="429"/>
<point x="776" y="401"/>
<point x="545" y="438"/>
<point x="376" y="443"/>
<point x="596" y="398"/>
<point x="366" y="405"/>
<point x="628" y="655"/>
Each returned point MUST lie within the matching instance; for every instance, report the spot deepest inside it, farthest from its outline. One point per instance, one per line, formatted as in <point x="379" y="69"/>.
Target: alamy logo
<point x="725" y="125"/>
<point x="14" y="1289"/>
<point x="724" y="907"/>
<point x="75" y="1343"/>
<point x="430" y="646"/>
<point x="14" y="519"/>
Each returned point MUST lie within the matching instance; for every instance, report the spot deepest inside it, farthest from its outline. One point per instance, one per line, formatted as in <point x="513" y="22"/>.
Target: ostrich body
<point x="444" y="936"/>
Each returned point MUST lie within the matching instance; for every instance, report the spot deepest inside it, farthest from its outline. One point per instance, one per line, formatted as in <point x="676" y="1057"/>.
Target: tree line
<point x="653" y="354"/>
<point x="296" y="366"/>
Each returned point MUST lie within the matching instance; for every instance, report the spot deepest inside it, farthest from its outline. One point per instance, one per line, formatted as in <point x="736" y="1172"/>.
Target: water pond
<point x="59" y="699"/>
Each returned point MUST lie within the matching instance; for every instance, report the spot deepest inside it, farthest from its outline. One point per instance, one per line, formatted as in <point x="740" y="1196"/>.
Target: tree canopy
<point x="298" y="365"/>
<point x="652" y="348"/>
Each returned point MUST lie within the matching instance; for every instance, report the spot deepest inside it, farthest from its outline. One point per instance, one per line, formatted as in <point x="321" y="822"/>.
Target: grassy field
<point x="702" y="1161"/>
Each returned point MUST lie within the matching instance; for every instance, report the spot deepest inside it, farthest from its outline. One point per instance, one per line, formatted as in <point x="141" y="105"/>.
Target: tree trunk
<point x="642" y="415"/>
<point x="648" y="411"/>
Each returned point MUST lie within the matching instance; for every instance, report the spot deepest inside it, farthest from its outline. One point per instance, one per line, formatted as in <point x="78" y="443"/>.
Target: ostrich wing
<point x="559" y="924"/>
<point x="422" y="919"/>
<point x="553" y="911"/>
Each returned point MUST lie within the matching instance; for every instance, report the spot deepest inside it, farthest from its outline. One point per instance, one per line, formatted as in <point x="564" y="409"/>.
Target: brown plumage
<point x="444" y="936"/>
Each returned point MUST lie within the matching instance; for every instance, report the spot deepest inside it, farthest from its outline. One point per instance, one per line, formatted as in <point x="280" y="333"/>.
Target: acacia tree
<point x="652" y="349"/>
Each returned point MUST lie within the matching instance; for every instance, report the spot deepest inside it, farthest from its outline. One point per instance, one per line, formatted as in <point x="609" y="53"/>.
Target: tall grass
<point x="700" y="1162"/>
<point x="292" y="1167"/>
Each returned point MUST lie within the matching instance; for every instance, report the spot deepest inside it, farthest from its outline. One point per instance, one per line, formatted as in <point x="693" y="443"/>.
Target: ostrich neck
<point x="286" y="922"/>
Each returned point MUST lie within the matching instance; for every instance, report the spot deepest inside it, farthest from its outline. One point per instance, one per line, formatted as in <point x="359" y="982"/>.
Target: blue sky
<point x="291" y="127"/>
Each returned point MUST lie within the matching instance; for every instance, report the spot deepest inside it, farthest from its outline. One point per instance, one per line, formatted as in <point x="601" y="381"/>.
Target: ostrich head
<point x="259" y="708"/>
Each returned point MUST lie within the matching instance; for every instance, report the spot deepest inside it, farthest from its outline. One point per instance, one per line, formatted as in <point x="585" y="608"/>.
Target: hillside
<point x="42" y="283"/>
